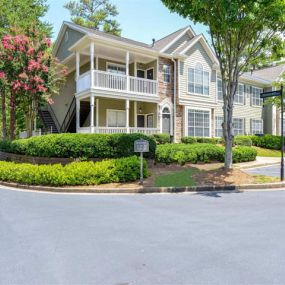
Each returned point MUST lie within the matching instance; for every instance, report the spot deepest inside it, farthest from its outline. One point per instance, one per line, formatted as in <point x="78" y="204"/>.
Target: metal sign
<point x="270" y="94"/>
<point x="141" y="146"/>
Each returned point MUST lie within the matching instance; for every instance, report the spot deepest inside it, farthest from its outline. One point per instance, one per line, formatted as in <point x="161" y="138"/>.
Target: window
<point x="239" y="97"/>
<point x="220" y="90"/>
<point x="198" y="80"/>
<point x="256" y="126"/>
<point x="255" y="99"/>
<point x="166" y="73"/>
<point x="116" y="118"/>
<point x="198" y="123"/>
<point x="219" y="128"/>
<point x="238" y="126"/>
<point x="116" y="68"/>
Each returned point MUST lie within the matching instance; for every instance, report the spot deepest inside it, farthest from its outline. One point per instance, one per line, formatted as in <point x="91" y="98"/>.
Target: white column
<point x="135" y="114"/>
<point x="77" y="115"/>
<point x="92" y="48"/>
<point x="97" y="113"/>
<point x="127" y="115"/>
<point x="127" y="69"/>
<point x="77" y="65"/>
<point x="92" y="99"/>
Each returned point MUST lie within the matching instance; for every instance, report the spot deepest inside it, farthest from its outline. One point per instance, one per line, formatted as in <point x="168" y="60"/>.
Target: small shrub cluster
<point x="267" y="141"/>
<point x="79" y="145"/>
<point x="193" y="153"/>
<point x="243" y="140"/>
<point x="162" y="138"/>
<point x="192" y="140"/>
<point x="76" y="173"/>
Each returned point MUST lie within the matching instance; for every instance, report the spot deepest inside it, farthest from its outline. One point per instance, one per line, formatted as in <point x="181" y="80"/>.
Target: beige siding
<point x="185" y="38"/>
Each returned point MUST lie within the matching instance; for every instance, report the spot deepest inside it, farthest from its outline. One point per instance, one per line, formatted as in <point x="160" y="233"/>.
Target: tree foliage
<point x="95" y="14"/>
<point x="243" y="33"/>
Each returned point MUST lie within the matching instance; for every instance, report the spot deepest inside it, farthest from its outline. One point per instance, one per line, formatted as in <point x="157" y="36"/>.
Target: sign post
<point x="141" y="146"/>
<point x="275" y="94"/>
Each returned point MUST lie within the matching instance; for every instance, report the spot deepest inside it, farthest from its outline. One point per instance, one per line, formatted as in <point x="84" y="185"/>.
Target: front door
<point x="140" y="121"/>
<point x="166" y="123"/>
<point x="149" y="74"/>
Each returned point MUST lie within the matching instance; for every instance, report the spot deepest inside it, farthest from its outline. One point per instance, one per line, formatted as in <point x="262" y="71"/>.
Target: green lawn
<point x="267" y="152"/>
<point x="178" y="179"/>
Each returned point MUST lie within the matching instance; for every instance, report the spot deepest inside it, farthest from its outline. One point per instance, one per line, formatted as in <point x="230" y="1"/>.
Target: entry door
<point x="140" y="121"/>
<point x="149" y="74"/>
<point x="166" y="123"/>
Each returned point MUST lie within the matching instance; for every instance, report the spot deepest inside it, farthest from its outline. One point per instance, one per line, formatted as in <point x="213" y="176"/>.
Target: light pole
<point x="282" y="135"/>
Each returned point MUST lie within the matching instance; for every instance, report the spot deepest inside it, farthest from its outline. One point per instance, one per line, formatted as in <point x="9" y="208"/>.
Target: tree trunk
<point x="12" y="117"/>
<point x="4" y="118"/>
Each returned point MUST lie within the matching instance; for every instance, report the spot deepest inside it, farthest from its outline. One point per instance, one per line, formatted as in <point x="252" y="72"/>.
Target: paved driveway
<point x="273" y="170"/>
<point x="142" y="239"/>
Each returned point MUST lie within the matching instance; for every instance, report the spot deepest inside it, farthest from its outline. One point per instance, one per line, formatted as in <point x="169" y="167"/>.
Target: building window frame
<point x="166" y="73"/>
<point x="116" y="111"/>
<point x="259" y="129"/>
<point x="218" y="126"/>
<point x="238" y="96"/>
<point x="118" y="66"/>
<point x="240" y="130"/>
<point x="220" y="96"/>
<point x="256" y="101"/>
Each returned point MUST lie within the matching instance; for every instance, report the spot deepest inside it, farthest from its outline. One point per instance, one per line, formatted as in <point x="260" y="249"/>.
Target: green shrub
<point x="267" y="141"/>
<point x="76" y="173"/>
<point x="201" y="152"/>
<point x="192" y="153"/>
<point x="243" y="140"/>
<point x="79" y="145"/>
<point x="243" y="154"/>
<point x="191" y="140"/>
<point x="188" y="140"/>
<point x="162" y="138"/>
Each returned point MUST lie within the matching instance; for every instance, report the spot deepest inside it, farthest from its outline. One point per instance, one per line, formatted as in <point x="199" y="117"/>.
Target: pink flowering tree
<point x="30" y="73"/>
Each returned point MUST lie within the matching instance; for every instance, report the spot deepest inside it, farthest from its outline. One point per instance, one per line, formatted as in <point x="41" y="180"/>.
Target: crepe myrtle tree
<point x="30" y="75"/>
<point x="243" y="33"/>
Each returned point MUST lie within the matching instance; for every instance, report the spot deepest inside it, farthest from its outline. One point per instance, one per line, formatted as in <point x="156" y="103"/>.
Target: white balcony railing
<point x="117" y="82"/>
<point x="119" y="130"/>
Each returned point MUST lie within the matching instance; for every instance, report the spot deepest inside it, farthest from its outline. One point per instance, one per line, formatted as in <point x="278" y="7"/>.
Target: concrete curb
<point x="256" y="166"/>
<point x="146" y="190"/>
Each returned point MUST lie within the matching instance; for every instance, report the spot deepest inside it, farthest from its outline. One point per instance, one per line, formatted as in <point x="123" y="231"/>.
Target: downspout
<point x="174" y="99"/>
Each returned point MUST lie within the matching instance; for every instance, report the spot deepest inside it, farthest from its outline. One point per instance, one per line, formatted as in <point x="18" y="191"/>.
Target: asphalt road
<point x="236" y="238"/>
<point x="273" y="170"/>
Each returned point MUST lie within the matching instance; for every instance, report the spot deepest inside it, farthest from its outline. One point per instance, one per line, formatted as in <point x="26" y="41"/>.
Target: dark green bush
<point x="79" y="145"/>
<point x="243" y="140"/>
<point x="76" y="173"/>
<point x="191" y="140"/>
<point x="192" y="153"/>
<point x="267" y="141"/>
<point x="162" y="138"/>
<point x="199" y="152"/>
<point x="243" y="154"/>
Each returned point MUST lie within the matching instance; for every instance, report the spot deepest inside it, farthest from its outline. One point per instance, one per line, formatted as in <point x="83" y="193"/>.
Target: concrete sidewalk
<point x="260" y="161"/>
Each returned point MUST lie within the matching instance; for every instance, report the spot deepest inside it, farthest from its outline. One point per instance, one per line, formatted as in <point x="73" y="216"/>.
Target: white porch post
<point x="97" y="114"/>
<point x="92" y="48"/>
<point x="92" y="99"/>
<point x="77" y="65"/>
<point x="127" y="115"/>
<point x="77" y="115"/>
<point x="127" y="69"/>
<point x="135" y="114"/>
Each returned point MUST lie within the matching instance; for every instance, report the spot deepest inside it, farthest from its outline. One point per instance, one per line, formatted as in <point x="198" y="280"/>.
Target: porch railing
<point x="119" y="130"/>
<point x="117" y="82"/>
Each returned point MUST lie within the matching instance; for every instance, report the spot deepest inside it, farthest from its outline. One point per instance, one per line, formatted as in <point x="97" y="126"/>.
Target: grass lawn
<point x="267" y="152"/>
<point x="176" y="179"/>
<point x="265" y="179"/>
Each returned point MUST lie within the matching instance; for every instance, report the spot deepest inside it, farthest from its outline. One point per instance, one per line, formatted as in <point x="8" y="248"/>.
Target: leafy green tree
<point x="95" y="14"/>
<point x="243" y="33"/>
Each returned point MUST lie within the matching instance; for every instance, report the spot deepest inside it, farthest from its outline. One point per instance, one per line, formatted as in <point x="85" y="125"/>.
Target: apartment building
<point x="118" y="85"/>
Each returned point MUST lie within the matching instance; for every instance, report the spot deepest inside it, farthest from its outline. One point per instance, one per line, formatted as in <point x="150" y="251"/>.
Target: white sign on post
<point x="141" y="146"/>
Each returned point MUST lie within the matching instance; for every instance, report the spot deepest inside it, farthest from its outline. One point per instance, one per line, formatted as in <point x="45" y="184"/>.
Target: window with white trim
<point x="256" y="126"/>
<point x="116" y="68"/>
<point x="198" y="80"/>
<point x="255" y="97"/>
<point x="218" y="126"/>
<point x="116" y="118"/>
<point x="166" y="73"/>
<point x="239" y="96"/>
<point x="220" y="90"/>
<point x="198" y="123"/>
<point x="238" y="126"/>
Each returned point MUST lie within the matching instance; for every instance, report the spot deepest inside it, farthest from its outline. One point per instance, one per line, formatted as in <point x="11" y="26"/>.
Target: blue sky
<point x="140" y="20"/>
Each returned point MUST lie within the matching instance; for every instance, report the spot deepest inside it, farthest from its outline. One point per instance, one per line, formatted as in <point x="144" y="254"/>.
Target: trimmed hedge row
<point x="79" y="145"/>
<point x="243" y="140"/>
<point x="267" y="141"/>
<point x="76" y="173"/>
<point x="193" y="153"/>
<point x="162" y="138"/>
<point x="192" y="140"/>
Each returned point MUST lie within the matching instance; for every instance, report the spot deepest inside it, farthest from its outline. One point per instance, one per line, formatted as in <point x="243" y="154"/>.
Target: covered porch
<point x="110" y="116"/>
